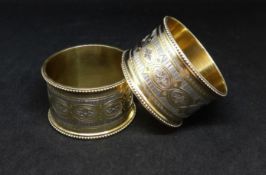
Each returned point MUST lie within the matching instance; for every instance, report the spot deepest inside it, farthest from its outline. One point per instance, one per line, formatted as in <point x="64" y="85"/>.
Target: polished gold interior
<point x="197" y="55"/>
<point x="88" y="66"/>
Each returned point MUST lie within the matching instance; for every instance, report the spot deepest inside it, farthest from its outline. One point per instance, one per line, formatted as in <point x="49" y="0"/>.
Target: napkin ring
<point x="172" y="74"/>
<point x="89" y="97"/>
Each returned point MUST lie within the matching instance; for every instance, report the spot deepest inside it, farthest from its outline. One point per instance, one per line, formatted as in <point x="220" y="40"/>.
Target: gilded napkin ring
<point x="89" y="97"/>
<point x="171" y="73"/>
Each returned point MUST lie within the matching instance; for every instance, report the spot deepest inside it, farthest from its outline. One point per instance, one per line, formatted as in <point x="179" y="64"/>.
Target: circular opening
<point x="88" y="66"/>
<point x="197" y="55"/>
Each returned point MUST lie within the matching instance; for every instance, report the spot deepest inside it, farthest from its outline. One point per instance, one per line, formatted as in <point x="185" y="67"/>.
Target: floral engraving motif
<point x="60" y="106"/>
<point x="161" y="58"/>
<point x="84" y="113"/>
<point x="162" y="78"/>
<point x="148" y="54"/>
<point x="113" y="109"/>
<point x="179" y="98"/>
<point x="149" y="57"/>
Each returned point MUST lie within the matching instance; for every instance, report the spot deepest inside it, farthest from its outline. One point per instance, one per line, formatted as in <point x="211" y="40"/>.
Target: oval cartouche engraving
<point x="60" y="106"/>
<point x="114" y="108"/>
<point x="162" y="78"/>
<point x="84" y="113"/>
<point x="179" y="98"/>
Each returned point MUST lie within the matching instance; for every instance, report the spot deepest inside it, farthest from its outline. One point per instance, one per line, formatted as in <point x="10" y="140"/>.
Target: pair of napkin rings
<point x="90" y="88"/>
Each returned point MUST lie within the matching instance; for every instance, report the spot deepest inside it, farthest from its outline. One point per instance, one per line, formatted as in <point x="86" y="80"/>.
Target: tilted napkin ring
<point x="172" y="74"/>
<point x="89" y="97"/>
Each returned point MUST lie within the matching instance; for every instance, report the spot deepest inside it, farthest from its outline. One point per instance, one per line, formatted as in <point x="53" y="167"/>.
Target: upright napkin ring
<point x="171" y="73"/>
<point x="89" y="97"/>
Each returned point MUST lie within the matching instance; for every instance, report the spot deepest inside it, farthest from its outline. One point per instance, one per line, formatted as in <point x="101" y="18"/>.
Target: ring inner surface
<point x="197" y="55"/>
<point x="86" y="67"/>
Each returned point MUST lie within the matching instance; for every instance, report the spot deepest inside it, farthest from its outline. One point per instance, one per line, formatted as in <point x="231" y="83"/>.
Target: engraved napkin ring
<point x="89" y="97"/>
<point x="172" y="74"/>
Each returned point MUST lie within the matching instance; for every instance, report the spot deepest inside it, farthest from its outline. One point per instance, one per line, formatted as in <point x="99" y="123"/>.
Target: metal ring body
<point x="171" y="73"/>
<point x="89" y="97"/>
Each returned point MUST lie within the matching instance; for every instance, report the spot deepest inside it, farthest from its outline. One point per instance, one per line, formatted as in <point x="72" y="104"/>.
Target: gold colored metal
<point x="89" y="97"/>
<point x="172" y="74"/>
